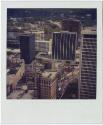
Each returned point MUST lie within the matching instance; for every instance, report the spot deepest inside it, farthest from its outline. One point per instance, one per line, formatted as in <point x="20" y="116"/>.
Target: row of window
<point x="89" y="66"/>
<point x="89" y="63"/>
<point x="89" y="53"/>
<point x="87" y="96"/>
<point x="89" y="42"/>
<point x="84" y="82"/>
<point x="88" y="73"/>
<point x="89" y="69"/>
<point x="89" y="48"/>
<point x="88" y="59"/>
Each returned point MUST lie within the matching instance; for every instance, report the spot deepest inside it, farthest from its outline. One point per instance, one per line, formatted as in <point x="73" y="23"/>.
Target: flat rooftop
<point x="37" y="32"/>
<point x="13" y="68"/>
<point x="65" y="32"/>
<point x="13" y="50"/>
<point x="43" y="41"/>
<point x="89" y="30"/>
<point x="49" y="74"/>
<point x="27" y="34"/>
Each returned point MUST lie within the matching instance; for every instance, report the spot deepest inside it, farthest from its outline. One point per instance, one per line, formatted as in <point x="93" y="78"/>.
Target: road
<point x="71" y="76"/>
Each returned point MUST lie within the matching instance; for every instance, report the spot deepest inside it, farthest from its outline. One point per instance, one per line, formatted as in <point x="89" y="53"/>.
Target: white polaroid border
<point x="52" y="111"/>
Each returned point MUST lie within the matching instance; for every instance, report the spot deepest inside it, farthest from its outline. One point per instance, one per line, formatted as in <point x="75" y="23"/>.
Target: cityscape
<point x="51" y="53"/>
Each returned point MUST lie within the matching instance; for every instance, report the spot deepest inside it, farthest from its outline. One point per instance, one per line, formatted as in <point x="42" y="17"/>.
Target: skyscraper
<point x="64" y="45"/>
<point x="72" y="25"/>
<point x="87" y="88"/>
<point x="27" y="47"/>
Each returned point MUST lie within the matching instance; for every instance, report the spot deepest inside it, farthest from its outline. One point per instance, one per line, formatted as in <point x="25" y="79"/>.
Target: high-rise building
<point x="87" y="88"/>
<point x="64" y="45"/>
<point x="72" y="25"/>
<point x="47" y="85"/>
<point x="27" y="47"/>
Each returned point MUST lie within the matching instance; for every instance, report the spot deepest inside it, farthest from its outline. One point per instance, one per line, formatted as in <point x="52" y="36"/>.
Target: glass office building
<point x="64" y="45"/>
<point x="27" y="47"/>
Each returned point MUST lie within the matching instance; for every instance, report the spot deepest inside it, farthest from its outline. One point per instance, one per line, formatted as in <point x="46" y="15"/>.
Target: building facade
<point x="48" y="85"/>
<point x="72" y="25"/>
<point x="14" y="75"/>
<point x="87" y="88"/>
<point x="64" y="45"/>
<point x="39" y="35"/>
<point x="44" y="85"/>
<point x="27" y="47"/>
<point x="43" y="46"/>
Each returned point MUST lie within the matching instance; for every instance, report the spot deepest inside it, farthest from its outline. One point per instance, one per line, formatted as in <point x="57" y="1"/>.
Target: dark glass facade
<point x="27" y="47"/>
<point x="63" y="45"/>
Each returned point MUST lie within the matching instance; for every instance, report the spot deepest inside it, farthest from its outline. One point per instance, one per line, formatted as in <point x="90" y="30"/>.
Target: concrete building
<point x="44" y="84"/>
<point x="64" y="45"/>
<point x="43" y="46"/>
<point x="39" y="35"/>
<point x="87" y="87"/>
<point x="47" y="85"/>
<point x="14" y="74"/>
<point x="13" y="37"/>
<point x="27" y="47"/>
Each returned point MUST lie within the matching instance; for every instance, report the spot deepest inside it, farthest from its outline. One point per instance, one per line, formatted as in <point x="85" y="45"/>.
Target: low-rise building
<point x="39" y="35"/>
<point x="43" y="46"/>
<point x="14" y="74"/>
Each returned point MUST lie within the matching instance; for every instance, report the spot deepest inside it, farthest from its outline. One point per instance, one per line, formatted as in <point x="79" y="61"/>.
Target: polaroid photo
<point x="52" y="62"/>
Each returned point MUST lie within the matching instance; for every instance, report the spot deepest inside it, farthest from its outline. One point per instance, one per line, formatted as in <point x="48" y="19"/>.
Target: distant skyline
<point x="44" y="12"/>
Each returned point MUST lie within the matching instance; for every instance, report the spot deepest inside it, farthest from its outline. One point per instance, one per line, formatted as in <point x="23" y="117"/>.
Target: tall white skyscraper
<point x="87" y="87"/>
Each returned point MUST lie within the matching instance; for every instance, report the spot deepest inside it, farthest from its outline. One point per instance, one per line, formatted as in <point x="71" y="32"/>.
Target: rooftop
<point x="65" y="32"/>
<point x="32" y="31"/>
<point x="12" y="71"/>
<point x="89" y="30"/>
<point x="13" y="50"/>
<point x="13" y="68"/>
<point x="27" y="34"/>
<point x="49" y="74"/>
<point x="43" y="41"/>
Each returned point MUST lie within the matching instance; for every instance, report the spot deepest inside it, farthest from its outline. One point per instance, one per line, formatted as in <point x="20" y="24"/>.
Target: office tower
<point x="87" y="88"/>
<point x="47" y="85"/>
<point x="27" y="47"/>
<point x="72" y="25"/>
<point x="64" y="45"/>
